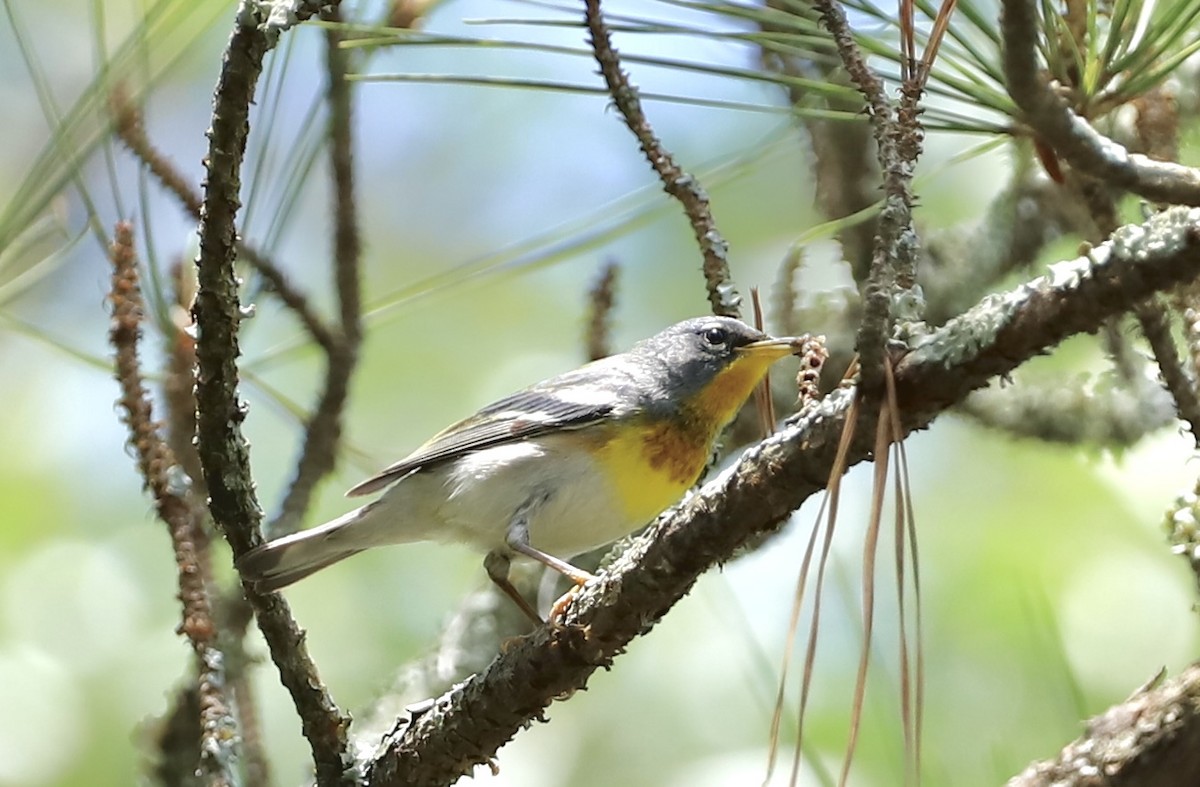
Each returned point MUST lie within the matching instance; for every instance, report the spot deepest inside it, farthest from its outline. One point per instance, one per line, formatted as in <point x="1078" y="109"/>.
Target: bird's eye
<point x="715" y="337"/>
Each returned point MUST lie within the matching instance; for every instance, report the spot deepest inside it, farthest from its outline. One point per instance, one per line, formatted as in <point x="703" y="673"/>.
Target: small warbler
<point x="564" y="466"/>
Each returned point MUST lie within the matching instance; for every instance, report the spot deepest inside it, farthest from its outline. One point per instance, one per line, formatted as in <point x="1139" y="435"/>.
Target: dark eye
<point x="715" y="337"/>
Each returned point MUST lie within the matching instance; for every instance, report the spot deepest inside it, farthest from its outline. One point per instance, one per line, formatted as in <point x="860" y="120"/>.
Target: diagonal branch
<point x="224" y="453"/>
<point x="465" y="726"/>
<point x="1153" y="738"/>
<point x="679" y="184"/>
<point x="1152" y="316"/>
<point x="1072" y="137"/>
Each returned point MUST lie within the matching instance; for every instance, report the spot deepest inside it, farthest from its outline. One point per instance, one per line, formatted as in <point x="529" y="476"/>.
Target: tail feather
<point x="283" y="561"/>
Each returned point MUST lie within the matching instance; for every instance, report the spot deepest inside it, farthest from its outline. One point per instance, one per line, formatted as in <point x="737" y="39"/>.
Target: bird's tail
<point x="283" y="561"/>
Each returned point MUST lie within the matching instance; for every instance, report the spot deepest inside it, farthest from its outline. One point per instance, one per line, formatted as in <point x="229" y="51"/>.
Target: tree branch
<point x="601" y="299"/>
<point x="324" y="430"/>
<point x="129" y="129"/>
<point x="1100" y="413"/>
<point x="1153" y="738"/>
<point x="465" y="726"/>
<point x="1152" y="316"/>
<point x="1072" y="138"/>
<point x="224" y="453"/>
<point x="215" y="753"/>
<point x="844" y="169"/>
<point x="898" y="146"/>
<point x="676" y="182"/>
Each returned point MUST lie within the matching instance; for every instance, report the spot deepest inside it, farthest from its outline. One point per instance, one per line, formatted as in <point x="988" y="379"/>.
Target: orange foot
<point x="560" y="607"/>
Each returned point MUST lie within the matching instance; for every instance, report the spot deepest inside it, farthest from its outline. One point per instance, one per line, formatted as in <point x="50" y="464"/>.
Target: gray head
<point x="691" y="354"/>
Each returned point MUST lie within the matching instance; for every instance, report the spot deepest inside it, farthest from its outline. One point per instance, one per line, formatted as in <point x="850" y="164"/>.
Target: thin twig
<point x="223" y="450"/>
<point x="319" y="454"/>
<point x="217" y="748"/>
<point x="601" y="298"/>
<point x="679" y="184"/>
<point x="277" y="282"/>
<point x="1152" y="317"/>
<point x="1073" y="138"/>
<point x="131" y="131"/>
<point x="843" y="171"/>
<point x="129" y="128"/>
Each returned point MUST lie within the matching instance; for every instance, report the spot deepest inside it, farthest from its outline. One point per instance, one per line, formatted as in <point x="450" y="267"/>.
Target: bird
<point x="566" y="465"/>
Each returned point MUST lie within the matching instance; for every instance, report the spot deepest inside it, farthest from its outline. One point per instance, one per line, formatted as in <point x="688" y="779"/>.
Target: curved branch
<point x="1071" y="136"/>
<point x="467" y="725"/>
<point x="679" y="184"/>
<point x="129" y="129"/>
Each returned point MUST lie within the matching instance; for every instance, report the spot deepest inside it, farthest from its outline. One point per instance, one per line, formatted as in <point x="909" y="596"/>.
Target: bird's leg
<point x="518" y="541"/>
<point x="496" y="564"/>
<point x="517" y="538"/>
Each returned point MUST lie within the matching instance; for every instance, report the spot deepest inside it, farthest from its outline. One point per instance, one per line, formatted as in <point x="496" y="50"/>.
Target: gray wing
<point x="529" y="413"/>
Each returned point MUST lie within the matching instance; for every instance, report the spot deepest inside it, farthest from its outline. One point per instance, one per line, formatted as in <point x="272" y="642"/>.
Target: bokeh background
<point x="487" y="212"/>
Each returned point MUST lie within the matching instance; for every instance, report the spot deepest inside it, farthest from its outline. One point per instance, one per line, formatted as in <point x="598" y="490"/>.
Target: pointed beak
<point x="773" y="348"/>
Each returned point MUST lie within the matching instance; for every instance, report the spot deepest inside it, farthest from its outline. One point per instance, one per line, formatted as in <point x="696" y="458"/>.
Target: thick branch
<point x="1153" y="738"/>
<point x="223" y="450"/>
<point x="1071" y="136"/>
<point x="1075" y="412"/>
<point x="466" y="726"/>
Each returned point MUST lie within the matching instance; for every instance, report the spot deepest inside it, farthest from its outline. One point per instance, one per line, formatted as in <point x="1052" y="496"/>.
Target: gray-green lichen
<point x="274" y="17"/>
<point x="965" y="335"/>
<point x="1165" y="234"/>
<point x="1183" y="527"/>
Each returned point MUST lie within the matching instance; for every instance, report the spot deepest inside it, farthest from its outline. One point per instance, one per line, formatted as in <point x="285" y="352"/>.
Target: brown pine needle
<point x="764" y="405"/>
<point x="911" y="707"/>
<point x="790" y="644"/>
<point x="941" y="24"/>
<point x="870" y="547"/>
<point x="908" y="43"/>
<point x="833" y="493"/>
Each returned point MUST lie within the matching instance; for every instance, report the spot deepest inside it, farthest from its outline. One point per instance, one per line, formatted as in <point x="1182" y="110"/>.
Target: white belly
<point x="569" y="503"/>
